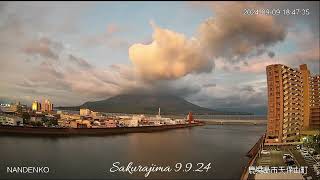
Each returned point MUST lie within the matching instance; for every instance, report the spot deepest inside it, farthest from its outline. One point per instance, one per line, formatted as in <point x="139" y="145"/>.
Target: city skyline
<point x="71" y="53"/>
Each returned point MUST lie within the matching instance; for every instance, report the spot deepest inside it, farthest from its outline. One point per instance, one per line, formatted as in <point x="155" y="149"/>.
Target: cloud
<point x="43" y="47"/>
<point x="92" y="83"/>
<point x="271" y="54"/>
<point x="110" y="38"/>
<point x="229" y="36"/>
<point x="170" y="56"/>
<point x="79" y="61"/>
<point x="247" y="88"/>
<point x="230" y="97"/>
<point x="310" y="21"/>
<point x="180" y="87"/>
<point x="239" y="42"/>
<point x="310" y="57"/>
<point x="49" y="69"/>
<point x="257" y="66"/>
<point x="209" y="85"/>
<point x="233" y="35"/>
<point x="113" y="28"/>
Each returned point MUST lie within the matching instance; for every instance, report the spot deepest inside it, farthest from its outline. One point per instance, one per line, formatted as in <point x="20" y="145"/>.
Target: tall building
<point x="47" y="106"/>
<point x="289" y="102"/>
<point x="306" y="94"/>
<point x="314" y="92"/>
<point x="36" y="106"/>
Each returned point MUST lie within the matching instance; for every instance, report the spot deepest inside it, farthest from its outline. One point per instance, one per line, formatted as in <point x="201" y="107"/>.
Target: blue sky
<point x="179" y="16"/>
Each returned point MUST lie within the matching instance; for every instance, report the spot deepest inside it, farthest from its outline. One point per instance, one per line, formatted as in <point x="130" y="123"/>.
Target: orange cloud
<point x="169" y="56"/>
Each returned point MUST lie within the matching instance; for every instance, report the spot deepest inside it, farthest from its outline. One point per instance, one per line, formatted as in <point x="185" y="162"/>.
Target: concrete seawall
<point x="252" y="154"/>
<point x="17" y="130"/>
<point x="240" y="122"/>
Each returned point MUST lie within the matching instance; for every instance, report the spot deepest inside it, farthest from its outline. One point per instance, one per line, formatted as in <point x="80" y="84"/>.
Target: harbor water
<point x="87" y="157"/>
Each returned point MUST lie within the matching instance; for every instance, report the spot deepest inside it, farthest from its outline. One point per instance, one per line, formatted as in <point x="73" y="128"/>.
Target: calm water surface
<point x="224" y="146"/>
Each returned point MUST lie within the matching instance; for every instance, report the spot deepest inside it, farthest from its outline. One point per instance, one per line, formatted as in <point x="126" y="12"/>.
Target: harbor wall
<point x="87" y="131"/>
<point x="240" y="122"/>
<point x="253" y="154"/>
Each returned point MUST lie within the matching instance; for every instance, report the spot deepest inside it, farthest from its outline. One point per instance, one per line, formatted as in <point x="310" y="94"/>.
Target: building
<point x="190" y="118"/>
<point x="80" y="124"/>
<point x="9" y="108"/>
<point x="11" y="120"/>
<point x="127" y="121"/>
<point x="36" y="106"/>
<point x="180" y="121"/>
<point x="289" y="107"/>
<point x="96" y="114"/>
<point x="85" y="112"/>
<point x="66" y="119"/>
<point x="314" y="102"/>
<point x="70" y="117"/>
<point x="47" y="106"/>
<point x="110" y="123"/>
<point x="12" y="108"/>
<point x="36" y="118"/>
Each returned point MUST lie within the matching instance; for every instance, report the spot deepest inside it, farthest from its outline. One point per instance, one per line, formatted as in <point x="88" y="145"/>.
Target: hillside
<point x="146" y="104"/>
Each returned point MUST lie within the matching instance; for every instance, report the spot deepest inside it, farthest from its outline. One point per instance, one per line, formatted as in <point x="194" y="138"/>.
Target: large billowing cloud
<point x="170" y="55"/>
<point x="229" y="35"/>
<point x="233" y="35"/>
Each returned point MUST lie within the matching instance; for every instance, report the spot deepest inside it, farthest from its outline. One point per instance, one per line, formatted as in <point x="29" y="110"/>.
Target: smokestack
<point x="159" y="112"/>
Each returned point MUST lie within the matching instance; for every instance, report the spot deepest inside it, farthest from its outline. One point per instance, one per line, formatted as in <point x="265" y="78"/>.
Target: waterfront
<point x="92" y="157"/>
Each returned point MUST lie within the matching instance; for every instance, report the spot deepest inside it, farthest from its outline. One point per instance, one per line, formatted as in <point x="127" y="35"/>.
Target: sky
<point x="209" y="53"/>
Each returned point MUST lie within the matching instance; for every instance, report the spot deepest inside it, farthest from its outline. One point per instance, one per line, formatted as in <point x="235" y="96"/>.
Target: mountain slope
<point x="147" y="104"/>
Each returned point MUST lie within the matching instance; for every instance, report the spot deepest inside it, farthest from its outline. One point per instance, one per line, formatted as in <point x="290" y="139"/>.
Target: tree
<point x="26" y="117"/>
<point x="36" y="123"/>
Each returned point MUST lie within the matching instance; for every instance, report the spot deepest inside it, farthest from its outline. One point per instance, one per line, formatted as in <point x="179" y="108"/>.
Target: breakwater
<point x="234" y="122"/>
<point x="16" y="130"/>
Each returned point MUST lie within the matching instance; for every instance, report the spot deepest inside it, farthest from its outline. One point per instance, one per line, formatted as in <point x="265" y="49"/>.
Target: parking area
<point x="309" y="157"/>
<point x="299" y="155"/>
<point x="273" y="158"/>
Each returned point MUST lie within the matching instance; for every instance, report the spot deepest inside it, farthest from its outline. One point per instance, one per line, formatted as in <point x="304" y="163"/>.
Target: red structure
<point x="190" y="117"/>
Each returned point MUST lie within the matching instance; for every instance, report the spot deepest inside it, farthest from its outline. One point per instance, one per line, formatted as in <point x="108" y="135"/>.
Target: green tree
<point x="36" y="123"/>
<point x="26" y="117"/>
